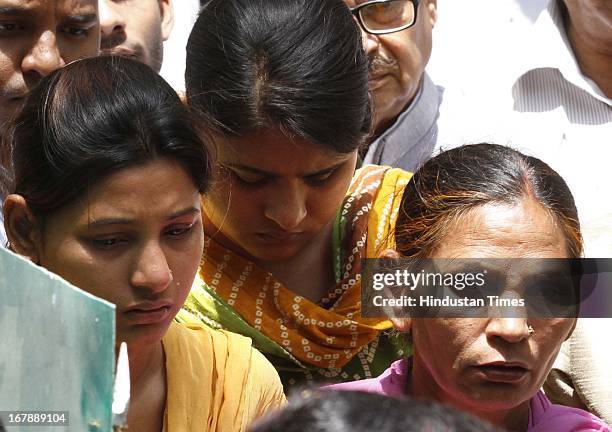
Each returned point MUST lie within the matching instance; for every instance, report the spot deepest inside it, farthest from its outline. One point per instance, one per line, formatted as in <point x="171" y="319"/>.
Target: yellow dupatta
<point x="217" y="381"/>
<point x="324" y="335"/>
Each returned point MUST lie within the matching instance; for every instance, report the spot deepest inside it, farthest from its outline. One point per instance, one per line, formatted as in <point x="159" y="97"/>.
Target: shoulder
<point x="215" y="374"/>
<point x="391" y="382"/>
<point x="377" y="191"/>
<point x="253" y="372"/>
<point x="225" y="361"/>
<point x="379" y="175"/>
<point x="546" y="416"/>
<point x="378" y="184"/>
<point x="233" y="347"/>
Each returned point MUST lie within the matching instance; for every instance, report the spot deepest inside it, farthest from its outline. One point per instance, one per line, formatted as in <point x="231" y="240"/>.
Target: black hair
<point x="95" y="117"/>
<point x="297" y="65"/>
<point x="460" y="179"/>
<point x="349" y="411"/>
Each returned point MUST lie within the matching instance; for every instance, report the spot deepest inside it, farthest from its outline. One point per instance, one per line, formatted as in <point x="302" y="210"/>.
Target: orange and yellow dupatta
<point x="236" y="294"/>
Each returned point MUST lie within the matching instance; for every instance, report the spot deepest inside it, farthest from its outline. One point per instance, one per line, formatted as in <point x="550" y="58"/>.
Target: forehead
<point x="522" y="230"/>
<point x="271" y="150"/>
<point x="66" y="7"/>
<point x="131" y="191"/>
<point x="150" y="177"/>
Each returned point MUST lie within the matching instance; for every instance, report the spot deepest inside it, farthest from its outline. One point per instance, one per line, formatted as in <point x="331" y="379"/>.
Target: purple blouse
<point x="544" y="416"/>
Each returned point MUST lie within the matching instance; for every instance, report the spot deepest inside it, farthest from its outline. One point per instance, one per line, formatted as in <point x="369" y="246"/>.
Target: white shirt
<point x="542" y="105"/>
<point x="563" y="118"/>
<point x="550" y="110"/>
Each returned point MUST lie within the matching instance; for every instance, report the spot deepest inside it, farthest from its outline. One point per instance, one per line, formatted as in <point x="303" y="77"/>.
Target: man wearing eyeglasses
<point x="397" y="39"/>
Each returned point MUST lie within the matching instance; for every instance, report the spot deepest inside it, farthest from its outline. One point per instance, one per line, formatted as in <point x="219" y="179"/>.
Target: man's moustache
<point x="379" y="64"/>
<point x="121" y="51"/>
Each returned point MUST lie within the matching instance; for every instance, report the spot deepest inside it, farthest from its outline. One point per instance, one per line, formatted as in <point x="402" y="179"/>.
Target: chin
<point x="273" y="253"/>
<point x="496" y="400"/>
<point x="142" y="335"/>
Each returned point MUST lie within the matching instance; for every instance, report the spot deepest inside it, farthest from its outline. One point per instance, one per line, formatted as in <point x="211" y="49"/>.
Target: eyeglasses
<point x="386" y="16"/>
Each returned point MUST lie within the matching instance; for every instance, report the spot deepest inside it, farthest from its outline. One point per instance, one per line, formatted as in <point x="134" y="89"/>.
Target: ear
<point x="166" y="12"/>
<point x="432" y="11"/>
<point x="389" y="253"/>
<point x="22" y="228"/>
<point x="402" y="324"/>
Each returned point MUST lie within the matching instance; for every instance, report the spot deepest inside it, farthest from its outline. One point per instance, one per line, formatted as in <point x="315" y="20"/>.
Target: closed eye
<point x="321" y="178"/>
<point x="7" y="27"/>
<point x="108" y="243"/>
<point x="248" y="179"/>
<point x="75" y="31"/>
<point x="179" y="231"/>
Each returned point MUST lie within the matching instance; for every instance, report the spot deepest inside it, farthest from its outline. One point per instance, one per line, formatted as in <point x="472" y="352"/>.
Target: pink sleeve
<point x="547" y="417"/>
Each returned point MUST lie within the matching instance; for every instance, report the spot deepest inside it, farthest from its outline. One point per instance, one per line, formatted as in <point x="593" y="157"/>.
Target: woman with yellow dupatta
<point x="282" y="88"/>
<point x="106" y="193"/>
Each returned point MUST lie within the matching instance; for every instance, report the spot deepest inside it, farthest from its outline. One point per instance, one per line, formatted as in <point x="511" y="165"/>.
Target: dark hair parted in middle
<point x="458" y="180"/>
<point x="294" y="64"/>
<point x="93" y="118"/>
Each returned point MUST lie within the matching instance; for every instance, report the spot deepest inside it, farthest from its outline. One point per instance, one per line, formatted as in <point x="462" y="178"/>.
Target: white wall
<point x="474" y="39"/>
<point x="173" y="67"/>
<point x="471" y="39"/>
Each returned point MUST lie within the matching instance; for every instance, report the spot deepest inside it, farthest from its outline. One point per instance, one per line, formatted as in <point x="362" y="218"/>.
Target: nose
<point x="511" y="330"/>
<point x="44" y="57"/>
<point x="111" y="21"/>
<point x="370" y="42"/>
<point x="151" y="269"/>
<point x="287" y="207"/>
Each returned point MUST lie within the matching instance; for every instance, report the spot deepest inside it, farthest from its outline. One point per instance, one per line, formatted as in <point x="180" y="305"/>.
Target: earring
<point x="530" y="330"/>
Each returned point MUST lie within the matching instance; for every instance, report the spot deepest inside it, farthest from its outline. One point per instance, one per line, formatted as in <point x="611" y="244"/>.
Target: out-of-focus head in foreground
<point x="331" y="411"/>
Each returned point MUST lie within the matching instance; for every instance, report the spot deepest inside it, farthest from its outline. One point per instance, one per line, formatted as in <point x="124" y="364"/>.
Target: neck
<point x="384" y="120"/>
<point x="382" y="123"/>
<point x="145" y="362"/>
<point x="148" y="386"/>
<point x="594" y="63"/>
<point x="309" y="273"/>
<point x="423" y="386"/>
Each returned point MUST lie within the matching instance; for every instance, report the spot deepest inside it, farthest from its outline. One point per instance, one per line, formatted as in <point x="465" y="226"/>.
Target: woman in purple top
<point x="486" y="201"/>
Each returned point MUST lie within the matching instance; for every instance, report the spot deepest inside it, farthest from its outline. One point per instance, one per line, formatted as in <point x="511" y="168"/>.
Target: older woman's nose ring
<point x="530" y="330"/>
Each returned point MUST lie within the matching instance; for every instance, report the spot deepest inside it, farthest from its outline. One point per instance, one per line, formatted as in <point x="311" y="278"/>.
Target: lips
<point x="503" y="372"/>
<point x="149" y="312"/>
<point x="279" y="236"/>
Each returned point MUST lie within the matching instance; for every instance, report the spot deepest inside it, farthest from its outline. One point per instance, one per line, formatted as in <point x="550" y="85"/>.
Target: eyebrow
<point x="15" y="11"/>
<point x="25" y="12"/>
<point x="125" y="221"/>
<point x="258" y="171"/>
<point x="82" y="19"/>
